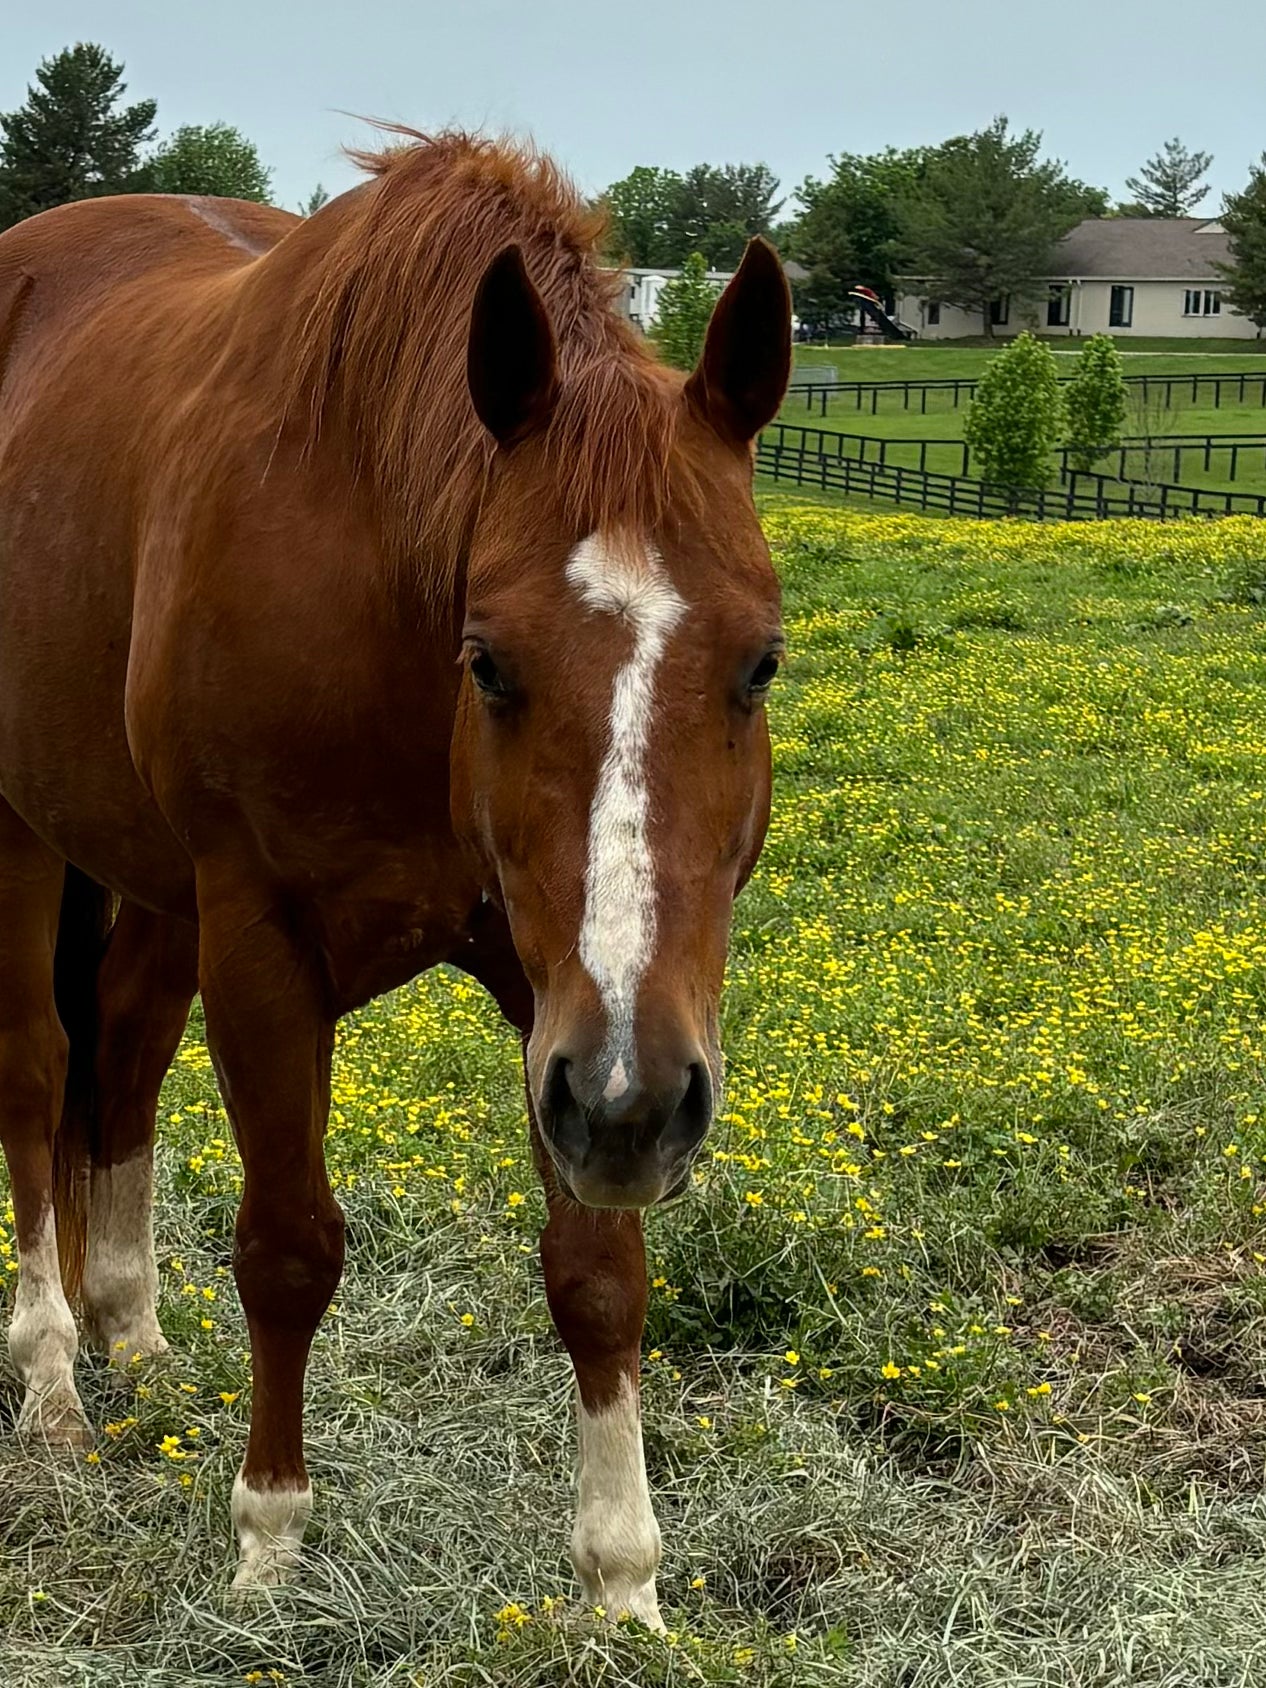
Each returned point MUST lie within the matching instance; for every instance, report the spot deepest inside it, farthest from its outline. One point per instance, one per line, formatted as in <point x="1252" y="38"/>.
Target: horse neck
<point x="424" y="502"/>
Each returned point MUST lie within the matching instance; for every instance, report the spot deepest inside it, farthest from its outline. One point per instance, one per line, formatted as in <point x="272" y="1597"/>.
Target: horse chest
<point x="393" y="923"/>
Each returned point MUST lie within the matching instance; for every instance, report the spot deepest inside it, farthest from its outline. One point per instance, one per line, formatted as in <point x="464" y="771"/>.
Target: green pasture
<point x="955" y="1357"/>
<point x="1149" y="417"/>
<point x="948" y="359"/>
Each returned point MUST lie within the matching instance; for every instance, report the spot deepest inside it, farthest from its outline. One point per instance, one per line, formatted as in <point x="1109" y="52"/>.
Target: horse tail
<point x="82" y="933"/>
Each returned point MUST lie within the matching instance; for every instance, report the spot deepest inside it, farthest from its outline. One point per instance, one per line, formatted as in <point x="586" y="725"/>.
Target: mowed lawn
<point x="956" y="1366"/>
<point x="881" y="415"/>
<point x="929" y="360"/>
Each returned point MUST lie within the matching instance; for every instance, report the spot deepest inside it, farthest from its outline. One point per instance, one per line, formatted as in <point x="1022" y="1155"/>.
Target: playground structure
<point x="874" y="319"/>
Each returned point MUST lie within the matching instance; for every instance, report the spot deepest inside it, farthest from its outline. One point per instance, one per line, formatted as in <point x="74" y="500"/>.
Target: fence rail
<point x="1229" y="387"/>
<point x="868" y="448"/>
<point x="1221" y="452"/>
<point x="811" y="457"/>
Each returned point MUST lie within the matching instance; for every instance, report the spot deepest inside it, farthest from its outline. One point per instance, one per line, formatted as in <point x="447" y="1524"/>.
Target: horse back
<point x="60" y="270"/>
<point x="107" y="320"/>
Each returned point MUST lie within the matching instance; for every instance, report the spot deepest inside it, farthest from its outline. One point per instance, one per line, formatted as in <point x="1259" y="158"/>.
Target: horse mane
<point x="385" y="337"/>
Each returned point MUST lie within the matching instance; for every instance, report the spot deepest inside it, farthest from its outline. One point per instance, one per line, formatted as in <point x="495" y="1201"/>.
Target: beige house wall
<point x="1158" y="312"/>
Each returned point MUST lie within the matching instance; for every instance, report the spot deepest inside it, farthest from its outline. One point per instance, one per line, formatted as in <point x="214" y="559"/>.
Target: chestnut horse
<point x="370" y="598"/>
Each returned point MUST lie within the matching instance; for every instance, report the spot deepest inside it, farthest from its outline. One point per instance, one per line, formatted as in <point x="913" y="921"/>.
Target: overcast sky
<point x="607" y="84"/>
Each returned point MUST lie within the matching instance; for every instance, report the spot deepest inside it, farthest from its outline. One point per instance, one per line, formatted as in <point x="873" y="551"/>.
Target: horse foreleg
<point x="595" y="1282"/>
<point x="146" y="984"/>
<point x="272" y="1041"/>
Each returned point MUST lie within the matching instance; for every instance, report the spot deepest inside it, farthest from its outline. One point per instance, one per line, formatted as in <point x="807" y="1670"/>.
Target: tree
<point x="642" y="209"/>
<point x="1169" y="184"/>
<point x="849" y="231"/>
<point x="1014" y="420"/>
<point x="1095" y="402"/>
<point x="211" y="158"/>
<point x="657" y="218"/>
<point x="685" y="309"/>
<point x="1244" y="219"/>
<point x="984" y="217"/>
<point x="720" y="207"/>
<point x="315" y="200"/>
<point x="73" y="138"/>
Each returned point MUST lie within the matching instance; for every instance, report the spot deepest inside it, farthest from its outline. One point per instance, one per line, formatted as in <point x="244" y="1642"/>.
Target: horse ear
<point x="511" y="368"/>
<point x="746" y="363"/>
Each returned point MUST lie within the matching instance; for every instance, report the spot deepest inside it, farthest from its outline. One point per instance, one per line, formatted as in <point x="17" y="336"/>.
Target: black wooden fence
<point x="869" y="448"/>
<point x="811" y="457"/>
<point x="1229" y="388"/>
<point x="1139" y="457"/>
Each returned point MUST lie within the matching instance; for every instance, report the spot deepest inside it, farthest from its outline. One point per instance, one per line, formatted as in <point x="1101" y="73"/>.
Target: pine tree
<point x="684" y="311"/>
<point x="315" y="200"/>
<point x="73" y="139"/>
<point x="1244" y="219"/>
<point x="982" y="218"/>
<point x="1169" y="184"/>
<point x="1095" y="401"/>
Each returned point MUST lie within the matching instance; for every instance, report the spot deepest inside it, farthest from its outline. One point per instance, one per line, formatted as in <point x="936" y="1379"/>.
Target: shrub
<point x="685" y="309"/>
<point x="1015" y="418"/>
<point x="1095" y="402"/>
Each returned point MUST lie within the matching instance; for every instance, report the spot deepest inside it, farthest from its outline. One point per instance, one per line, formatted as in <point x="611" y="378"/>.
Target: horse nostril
<point x="562" y="1115"/>
<point x="690" y="1119"/>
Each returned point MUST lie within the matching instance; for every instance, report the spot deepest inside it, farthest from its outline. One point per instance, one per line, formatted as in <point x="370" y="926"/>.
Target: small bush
<point x="1015" y="418"/>
<point x="685" y="310"/>
<point x="1095" y="402"/>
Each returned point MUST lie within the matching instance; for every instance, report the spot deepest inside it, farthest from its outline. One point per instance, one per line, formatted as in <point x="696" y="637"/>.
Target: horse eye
<point x="486" y="675"/>
<point x="764" y="674"/>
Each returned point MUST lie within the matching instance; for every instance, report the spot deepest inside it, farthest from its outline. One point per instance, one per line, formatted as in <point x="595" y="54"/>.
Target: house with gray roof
<point x="1125" y="276"/>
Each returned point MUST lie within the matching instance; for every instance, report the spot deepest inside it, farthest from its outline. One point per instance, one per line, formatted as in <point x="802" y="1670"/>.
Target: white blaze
<point x="615" y="1545"/>
<point x="617" y="932"/>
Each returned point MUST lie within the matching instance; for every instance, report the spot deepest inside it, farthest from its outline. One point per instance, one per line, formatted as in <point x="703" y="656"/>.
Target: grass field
<point x="956" y="1366"/>
<point x="1148" y="418"/>
<point x="945" y="360"/>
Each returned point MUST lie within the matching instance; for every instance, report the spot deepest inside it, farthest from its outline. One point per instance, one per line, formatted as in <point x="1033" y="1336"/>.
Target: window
<point x="1058" y="305"/>
<point x="933" y="316"/>
<point x="1202" y="301"/>
<point x="1121" y="307"/>
<point x="1000" y="310"/>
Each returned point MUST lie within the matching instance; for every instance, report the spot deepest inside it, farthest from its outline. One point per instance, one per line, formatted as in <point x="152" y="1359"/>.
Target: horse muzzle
<point x="617" y="1139"/>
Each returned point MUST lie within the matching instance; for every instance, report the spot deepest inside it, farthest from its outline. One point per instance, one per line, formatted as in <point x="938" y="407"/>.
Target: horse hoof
<point x="58" y="1421"/>
<point x="124" y="1349"/>
<point x="638" y="1601"/>
<point x="126" y="1353"/>
<point x="260" y="1571"/>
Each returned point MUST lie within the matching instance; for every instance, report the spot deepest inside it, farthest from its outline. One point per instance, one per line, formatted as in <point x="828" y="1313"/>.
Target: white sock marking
<point x="617" y="933"/>
<point x="120" y="1278"/>
<point x="43" y="1342"/>
<point x="270" y="1525"/>
<point x="615" y="1545"/>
